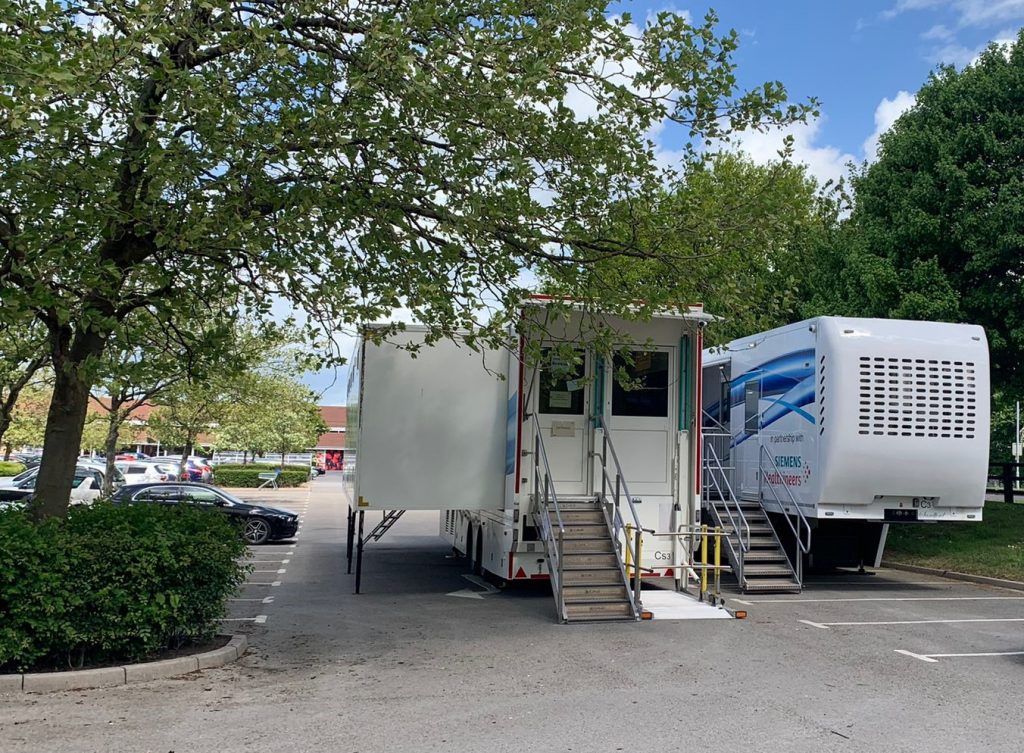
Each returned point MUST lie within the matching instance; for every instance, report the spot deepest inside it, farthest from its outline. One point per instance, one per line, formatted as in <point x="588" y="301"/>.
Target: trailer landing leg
<point x="351" y="538"/>
<point x="359" y="551"/>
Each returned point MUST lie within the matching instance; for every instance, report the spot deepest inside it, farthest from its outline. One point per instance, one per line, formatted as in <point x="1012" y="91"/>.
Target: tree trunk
<point x="282" y="461"/>
<point x="114" y="419"/>
<point x="7" y="452"/>
<point x="184" y="457"/>
<point x="6" y="416"/>
<point x="65" y="420"/>
<point x="245" y="456"/>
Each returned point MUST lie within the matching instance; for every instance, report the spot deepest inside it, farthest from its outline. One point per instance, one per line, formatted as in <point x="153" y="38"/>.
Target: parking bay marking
<point x="883" y="598"/>
<point x="934" y="658"/>
<point x="827" y="625"/>
<point x="257" y="583"/>
<point x="258" y="619"/>
<point x="264" y="600"/>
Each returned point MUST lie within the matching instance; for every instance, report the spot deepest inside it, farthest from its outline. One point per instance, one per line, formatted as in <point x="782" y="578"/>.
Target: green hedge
<point x="248" y="475"/>
<point x="112" y="583"/>
<point x="10" y="468"/>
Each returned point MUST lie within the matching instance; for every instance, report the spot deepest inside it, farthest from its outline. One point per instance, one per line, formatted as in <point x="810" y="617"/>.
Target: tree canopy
<point x="937" y="229"/>
<point x="347" y="157"/>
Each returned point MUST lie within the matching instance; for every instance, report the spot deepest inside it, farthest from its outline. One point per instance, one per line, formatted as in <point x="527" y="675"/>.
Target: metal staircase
<point x="593" y="582"/>
<point x="581" y="541"/>
<point x="752" y="545"/>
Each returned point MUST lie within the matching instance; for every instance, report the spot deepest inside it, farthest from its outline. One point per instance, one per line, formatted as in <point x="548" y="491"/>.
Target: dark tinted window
<point x="646" y="391"/>
<point x="165" y="494"/>
<point x="561" y="387"/>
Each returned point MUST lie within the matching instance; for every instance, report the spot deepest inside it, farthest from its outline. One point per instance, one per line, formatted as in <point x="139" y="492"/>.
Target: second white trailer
<point x="853" y="423"/>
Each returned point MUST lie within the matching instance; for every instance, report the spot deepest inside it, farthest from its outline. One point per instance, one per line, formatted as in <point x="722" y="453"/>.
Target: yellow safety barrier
<point x="703" y="560"/>
<point x="629" y="550"/>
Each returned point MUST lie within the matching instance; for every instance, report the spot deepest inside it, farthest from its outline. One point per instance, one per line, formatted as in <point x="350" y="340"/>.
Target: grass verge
<point x="994" y="547"/>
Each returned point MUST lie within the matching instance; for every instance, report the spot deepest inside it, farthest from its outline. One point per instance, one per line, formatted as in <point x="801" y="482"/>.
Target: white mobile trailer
<point x="440" y="431"/>
<point x="863" y="421"/>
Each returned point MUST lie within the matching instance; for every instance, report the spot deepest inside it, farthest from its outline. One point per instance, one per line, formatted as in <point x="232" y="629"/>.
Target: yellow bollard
<point x="703" y="560"/>
<point x="718" y="561"/>
<point x="629" y="550"/>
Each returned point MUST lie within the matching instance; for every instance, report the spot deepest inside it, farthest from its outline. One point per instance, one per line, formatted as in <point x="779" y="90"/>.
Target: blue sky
<point x="863" y="59"/>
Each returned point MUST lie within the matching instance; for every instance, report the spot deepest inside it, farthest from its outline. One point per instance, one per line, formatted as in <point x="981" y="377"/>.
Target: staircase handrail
<point x="552" y="543"/>
<point x="620" y="477"/>
<point x="621" y="489"/>
<point x="730" y="500"/>
<point x="802" y="521"/>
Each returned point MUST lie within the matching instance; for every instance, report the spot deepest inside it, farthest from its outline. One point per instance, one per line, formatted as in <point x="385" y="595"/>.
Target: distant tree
<point x="23" y="354"/>
<point x="746" y="229"/>
<point x="28" y="419"/>
<point x="272" y="414"/>
<point x="186" y="411"/>
<point x="346" y="157"/>
<point x="937" y="229"/>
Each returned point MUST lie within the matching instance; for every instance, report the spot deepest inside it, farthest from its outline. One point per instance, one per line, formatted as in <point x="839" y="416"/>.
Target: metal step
<point x="772" y="585"/>
<point x="594" y="576"/>
<point x="599" y="610"/>
<point x="765" y="556"/>
<point x="583" y="530"/>
<point x="577" y="560"/>
<point x="755" y="569"/>
<point x="578" y="516"/>
<point x="588" y="546"/>
<point x="763" y="542"/>
<point x="590" y="593"/>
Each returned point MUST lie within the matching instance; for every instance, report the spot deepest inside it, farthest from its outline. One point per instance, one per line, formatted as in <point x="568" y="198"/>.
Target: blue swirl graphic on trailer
<point x="789" y="379"/>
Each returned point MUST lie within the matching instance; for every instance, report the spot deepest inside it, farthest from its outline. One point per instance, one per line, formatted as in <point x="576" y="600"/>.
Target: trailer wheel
<point x="478" y="559"/>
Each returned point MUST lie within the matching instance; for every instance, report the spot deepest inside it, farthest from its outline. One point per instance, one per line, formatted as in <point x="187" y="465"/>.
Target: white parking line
<point x="256" y="599"/>
<point x="258" y="619"/>
<point x="282" y="570"/>
<point x="885" y="598"/>
<point x="827" y="625"/>
<point x="267" y="562"/>
<point x="250" y="583"/>
<point x="934" y="658"/>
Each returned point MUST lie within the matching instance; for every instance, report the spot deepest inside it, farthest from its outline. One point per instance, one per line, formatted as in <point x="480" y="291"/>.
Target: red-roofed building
<point x="330" y="448"/>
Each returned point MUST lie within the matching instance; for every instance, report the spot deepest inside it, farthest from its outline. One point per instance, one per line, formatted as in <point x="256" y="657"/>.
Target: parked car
<point x="141" y="472"/>
<point x="131" y="456"/>
<point x="87" y="485"/>
<point x="198" y="469"/>
<point x="259" y="523"/>
<point x="316" y="470"/>
<point x="27" y="459"/>
<point x="7" y="482"/>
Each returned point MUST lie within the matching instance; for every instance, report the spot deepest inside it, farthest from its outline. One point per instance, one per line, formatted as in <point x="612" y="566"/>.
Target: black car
<point x="259" y="523"/>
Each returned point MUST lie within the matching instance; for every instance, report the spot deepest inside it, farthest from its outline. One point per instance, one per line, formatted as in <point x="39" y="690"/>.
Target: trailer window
<point x="561" y="386"/>
<point x="646" y="390"/>
<point x="752" y="407"/>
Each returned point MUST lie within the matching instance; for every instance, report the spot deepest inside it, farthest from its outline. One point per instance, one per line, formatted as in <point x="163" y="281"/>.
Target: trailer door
<point x="643" y="417"/>
<point x="562" y="403"/>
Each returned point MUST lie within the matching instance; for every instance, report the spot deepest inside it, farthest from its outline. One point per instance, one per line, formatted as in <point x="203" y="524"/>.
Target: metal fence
<point x="294" y="458"/>
<point x="1006" y="479"/>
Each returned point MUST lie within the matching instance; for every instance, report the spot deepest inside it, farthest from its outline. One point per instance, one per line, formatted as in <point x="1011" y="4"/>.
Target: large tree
<point x="937" y="229"/>
<point x="747" y="229"/>
<point x="348" y="157"/>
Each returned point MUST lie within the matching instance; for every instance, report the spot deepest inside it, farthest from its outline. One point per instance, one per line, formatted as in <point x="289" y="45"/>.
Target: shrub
<point x="248" y="475"/>
<point x="10" y="468"/>
<point x="112" y="583"/>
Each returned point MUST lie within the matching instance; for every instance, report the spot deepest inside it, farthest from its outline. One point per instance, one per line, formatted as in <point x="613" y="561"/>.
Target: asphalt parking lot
<point x="253" y="604"/>
<point x="915" y="617"/>
<point x="427" y="659"/>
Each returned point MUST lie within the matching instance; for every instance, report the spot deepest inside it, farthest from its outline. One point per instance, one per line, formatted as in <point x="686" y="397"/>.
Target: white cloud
<point x="938" y="32"/>
<point x="886" y="114"/>
<point x="967" y="12"/>
<point x="954" y="53"/>
<point x="823" y="162"/>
